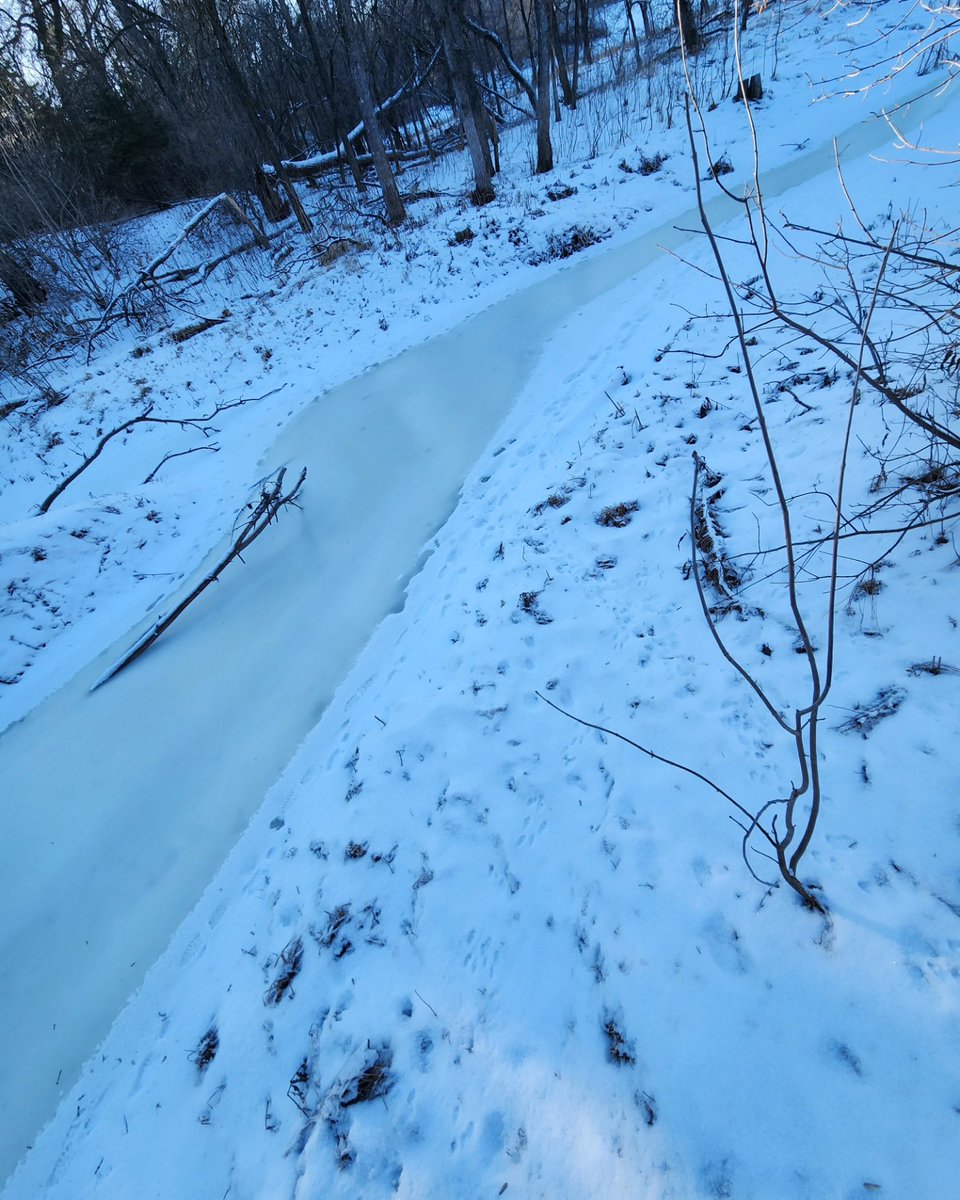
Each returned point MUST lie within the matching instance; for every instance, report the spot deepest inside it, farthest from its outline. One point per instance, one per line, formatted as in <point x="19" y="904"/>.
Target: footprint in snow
<point x="724" y="944"/>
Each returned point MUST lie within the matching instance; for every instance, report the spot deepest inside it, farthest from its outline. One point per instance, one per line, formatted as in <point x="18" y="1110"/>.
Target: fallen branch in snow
<point x="669" y="762"/>
<point x="145" y="418"/>
<point x="176" y="454"/>
<point x="149" y="272"/>
<point x="229" y="203"/>
<point x="267" y="508"/>
<point x="708" y="541"/>
<point x="206" y="268"/>
<point x="705" y="566"/>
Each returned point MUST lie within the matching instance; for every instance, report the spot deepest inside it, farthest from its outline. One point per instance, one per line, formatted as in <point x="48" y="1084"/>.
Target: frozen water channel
<point x="118" y="806"/>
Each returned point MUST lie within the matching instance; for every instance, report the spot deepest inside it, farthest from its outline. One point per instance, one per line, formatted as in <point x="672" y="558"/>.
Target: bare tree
<point x="788" y="823"/>
<point x="210" y="14"/>
<point x="452" y="27"/>
<point x="886" y="314"/>
<point x="537" y="93"/>
<point x="352" y="34"/>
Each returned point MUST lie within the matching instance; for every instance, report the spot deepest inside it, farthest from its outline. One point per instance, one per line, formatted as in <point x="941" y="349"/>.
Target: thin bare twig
<point x="660" y="759"/>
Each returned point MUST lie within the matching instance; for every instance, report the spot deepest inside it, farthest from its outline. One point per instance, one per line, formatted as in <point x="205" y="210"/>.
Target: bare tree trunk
<point x="325" y="74"/>
<point x="687" y="27"/>
<point x="577" y="39"/>
<point x="506" y="27"/>
<point x="48" y="25"/>
<point x="363" y="86"/>
<point x="350" y="151"/>
<point x="633" y="30"/>
<point x="563" y="75"/>
<point x="275" y="208"/>
<point x="449" y="18"/>
<point x="525" y="10"/>
<point x="544" y="63"/>
<point x="396" y="213"/>
<point x="586" y="31"/>
<point x="427" y="141"/>
<point x="339" y="118"/>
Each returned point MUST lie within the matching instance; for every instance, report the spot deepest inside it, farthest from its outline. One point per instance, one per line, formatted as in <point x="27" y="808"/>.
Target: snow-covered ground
<point x="467" y="944"/>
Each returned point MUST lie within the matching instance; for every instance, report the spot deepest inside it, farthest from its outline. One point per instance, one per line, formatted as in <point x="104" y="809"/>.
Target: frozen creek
<point x="118" y="805"/>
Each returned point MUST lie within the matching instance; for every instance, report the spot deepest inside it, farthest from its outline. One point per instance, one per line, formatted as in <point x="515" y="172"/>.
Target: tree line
<point x="109" y="107"/>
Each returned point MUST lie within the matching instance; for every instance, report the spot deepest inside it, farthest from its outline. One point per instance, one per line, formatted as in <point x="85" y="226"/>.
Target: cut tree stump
<point x="748" y="89"/>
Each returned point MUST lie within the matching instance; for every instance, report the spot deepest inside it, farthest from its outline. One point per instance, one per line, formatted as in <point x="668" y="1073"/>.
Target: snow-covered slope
<point x="470" y="946"/>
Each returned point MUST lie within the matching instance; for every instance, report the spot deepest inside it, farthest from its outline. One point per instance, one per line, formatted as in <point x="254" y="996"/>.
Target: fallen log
<point x="307" y="167"/>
